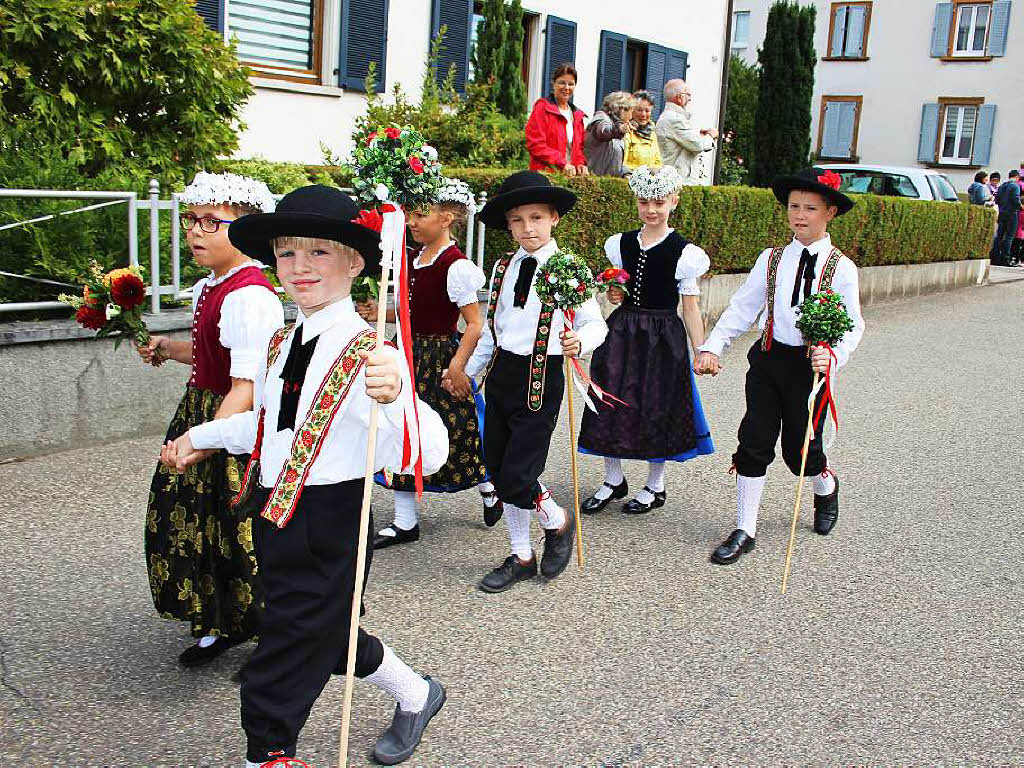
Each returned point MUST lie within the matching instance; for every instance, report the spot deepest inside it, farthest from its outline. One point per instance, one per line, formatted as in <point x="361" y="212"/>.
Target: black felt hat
<point x="825" y="183"/>
<point x="524" y="188"/>
<point x="317" y="211"/>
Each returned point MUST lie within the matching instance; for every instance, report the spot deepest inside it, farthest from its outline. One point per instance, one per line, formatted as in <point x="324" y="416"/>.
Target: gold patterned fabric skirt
<point x="199" y="553"/>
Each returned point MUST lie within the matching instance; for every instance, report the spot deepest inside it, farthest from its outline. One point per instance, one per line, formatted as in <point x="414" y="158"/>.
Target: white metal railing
<point x="475" y="236"/>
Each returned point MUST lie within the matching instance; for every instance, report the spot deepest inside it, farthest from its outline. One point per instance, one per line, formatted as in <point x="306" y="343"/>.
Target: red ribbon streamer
<point x="826" y="397"/>
<point x="569" y="315"/>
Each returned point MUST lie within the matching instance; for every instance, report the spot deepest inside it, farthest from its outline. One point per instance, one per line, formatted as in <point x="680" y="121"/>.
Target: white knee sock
<point x="401" y="681"/>
<point x="825" y="483"/>
<point x="549" y="514"/>
<point x="655" y="481"/>
<point x="487" y="487"/>
<point x="406" y="513"/>
<point x="517" y="520"/>
<point x="612" y="475"/>
<point x="748" y="501"/>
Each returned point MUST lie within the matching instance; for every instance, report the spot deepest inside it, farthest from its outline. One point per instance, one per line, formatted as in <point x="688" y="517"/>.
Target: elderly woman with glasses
<point x="641" y="142"/>
<point x="603" y="144"/>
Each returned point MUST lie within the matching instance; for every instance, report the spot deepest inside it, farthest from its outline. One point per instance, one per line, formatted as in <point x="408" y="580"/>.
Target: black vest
<point x="652" y="273"/>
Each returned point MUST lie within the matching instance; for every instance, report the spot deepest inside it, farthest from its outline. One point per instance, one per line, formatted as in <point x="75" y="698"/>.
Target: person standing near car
<point x="1008" y="198"/>
<point x="978" y="193"/>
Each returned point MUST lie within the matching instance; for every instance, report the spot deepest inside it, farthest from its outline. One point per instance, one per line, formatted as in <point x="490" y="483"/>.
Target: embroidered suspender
<point x="539" y="355"/>
<point x="824" y="283"/>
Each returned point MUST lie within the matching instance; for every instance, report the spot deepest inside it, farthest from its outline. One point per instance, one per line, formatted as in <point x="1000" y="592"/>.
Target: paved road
<point x="899" y="640"/>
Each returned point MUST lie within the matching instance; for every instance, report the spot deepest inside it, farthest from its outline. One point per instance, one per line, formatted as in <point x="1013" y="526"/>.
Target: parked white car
<point x="915" y="183"/>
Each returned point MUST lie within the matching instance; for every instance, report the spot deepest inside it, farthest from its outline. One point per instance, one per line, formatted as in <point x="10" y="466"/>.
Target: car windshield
<point x="877" y="183"/>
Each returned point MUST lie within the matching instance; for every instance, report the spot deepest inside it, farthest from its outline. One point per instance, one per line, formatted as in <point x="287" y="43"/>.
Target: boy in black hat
<point x="525" y="374"/>
<point x="780" y="375"/>
<point x="309" y="429"/>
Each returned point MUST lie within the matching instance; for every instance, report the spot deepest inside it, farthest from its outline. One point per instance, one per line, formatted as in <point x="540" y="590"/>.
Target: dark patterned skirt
<point x="199" y="553"/>
<point x="463" y="418"/>
<point x="646" y="362"/>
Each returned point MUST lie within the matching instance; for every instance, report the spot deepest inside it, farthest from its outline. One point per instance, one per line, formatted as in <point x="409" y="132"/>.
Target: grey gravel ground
<point x="899" y="640"/>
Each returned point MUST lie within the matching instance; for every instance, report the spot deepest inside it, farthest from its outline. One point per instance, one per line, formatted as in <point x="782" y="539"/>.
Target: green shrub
<point x="280" y="177"/>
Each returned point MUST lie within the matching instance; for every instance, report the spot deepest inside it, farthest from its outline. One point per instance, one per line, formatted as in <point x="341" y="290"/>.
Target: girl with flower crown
<point x="645" y="359"/>
<point x="443" y="287"/>
<point x="199" y="555"/>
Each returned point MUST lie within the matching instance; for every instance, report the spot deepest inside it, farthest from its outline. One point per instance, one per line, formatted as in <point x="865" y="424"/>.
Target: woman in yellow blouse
<point x="641" y="143"/>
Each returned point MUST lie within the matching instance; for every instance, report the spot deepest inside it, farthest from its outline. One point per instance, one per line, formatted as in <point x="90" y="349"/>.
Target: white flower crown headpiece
<point x="228" y="188"/>
<point x="655" y="184"/>
<point x="457" y="191"/>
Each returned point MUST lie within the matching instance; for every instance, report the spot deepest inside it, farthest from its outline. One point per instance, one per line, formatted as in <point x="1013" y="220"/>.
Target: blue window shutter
<point x="559" y="47"/>
<point x="857" y="14"/>
<point x="838" y="32"/>
<point x="364" y="38"/>
<point x="847" y="124"/>
<point x="929" y="133"/>
<point x="941" y="30"/>
<point x="1000" y="28"/>
<point x="663" y="64"/>
<point x="830" y="131"/>
<point x="212" y="12"/>
<point x="456" y="16"/>
<point x="611" y="66"/>
<point x="984" y="130"/>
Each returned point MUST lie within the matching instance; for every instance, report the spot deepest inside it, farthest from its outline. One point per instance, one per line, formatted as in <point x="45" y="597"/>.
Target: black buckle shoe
<point x="196" y="655"/>
<point x="558" y="548"/>
<point x="730" y="550"/>
<point x="492" y="513"/>
<point x="383" y="541"/>
<point x="400" y="740"/>
<point x="634" y="507"/>
<point x="508" y="574"/>
<point x="594" y="504"/>
<point x="826" y="511"/>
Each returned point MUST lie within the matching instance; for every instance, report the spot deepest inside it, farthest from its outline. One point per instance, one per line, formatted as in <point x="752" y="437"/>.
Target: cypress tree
<point x="782" y="139"/>
<point x="489" y="51"/>
<point x="510" y="98"/>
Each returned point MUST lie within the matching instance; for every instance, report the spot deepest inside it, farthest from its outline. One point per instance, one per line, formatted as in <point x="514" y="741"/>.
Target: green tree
<point x="740" y="118"/>
<point x="489" y="50"/>
<point x="140" y="82"/>
<point x="782" y="127"/>
<point x="498" y="56"/>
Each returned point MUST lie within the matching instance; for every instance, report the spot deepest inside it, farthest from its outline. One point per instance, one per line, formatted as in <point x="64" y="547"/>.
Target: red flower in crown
<point x="392" y="132"/>
<point x="416" y="165"/>
<point x="830" y="179"/>
<point x="371" y="219"/>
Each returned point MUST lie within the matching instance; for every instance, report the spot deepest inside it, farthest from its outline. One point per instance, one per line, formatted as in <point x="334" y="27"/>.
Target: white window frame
<point x="972" y="9"/>
<point x="960" y="111"/>
<point x="735" y="26"/>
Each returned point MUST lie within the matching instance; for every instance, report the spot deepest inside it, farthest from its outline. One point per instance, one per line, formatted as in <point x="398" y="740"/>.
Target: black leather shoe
<point x="508" y="574"/>
<point x="594" y="504"/>
<point x="400" y="740"/>
<point x="492" y="513"/>
<point x="634" y="507"/>
<point x="558" y="548"/>
<point x="730" y="550"/>
<point x="826" y="511"/>
<point x="196" y="656"/>
<point x="383" y="541"/>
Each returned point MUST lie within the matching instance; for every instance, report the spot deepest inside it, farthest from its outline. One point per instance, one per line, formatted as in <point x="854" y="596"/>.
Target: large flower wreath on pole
<point x="566" y="283"/>
<point x="395" y="171"/>
<point x="822" y="320"/>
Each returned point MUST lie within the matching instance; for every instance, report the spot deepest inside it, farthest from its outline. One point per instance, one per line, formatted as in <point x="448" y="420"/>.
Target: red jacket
<point x="545" y="136"/>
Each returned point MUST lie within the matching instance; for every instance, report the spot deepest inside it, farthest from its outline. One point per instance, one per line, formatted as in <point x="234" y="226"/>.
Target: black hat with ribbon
<point x="524" y="188"/>
<point x="317" y="211"/>
<point x="825" y="183"/>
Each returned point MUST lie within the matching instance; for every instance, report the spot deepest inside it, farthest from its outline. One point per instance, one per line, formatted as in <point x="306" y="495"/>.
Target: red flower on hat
<point x="830" y="179"/>
<point x="392" y="132"/>
<point x="371" y="219"/>
<point x="93" y="318"/>
<point x="416" y="165"/>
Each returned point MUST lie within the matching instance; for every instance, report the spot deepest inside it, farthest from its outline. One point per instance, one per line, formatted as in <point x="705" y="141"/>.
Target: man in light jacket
<point x="679" y="141"/>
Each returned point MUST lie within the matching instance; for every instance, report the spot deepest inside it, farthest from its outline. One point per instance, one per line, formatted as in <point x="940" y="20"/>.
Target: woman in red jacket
<point x="554" y="132"/>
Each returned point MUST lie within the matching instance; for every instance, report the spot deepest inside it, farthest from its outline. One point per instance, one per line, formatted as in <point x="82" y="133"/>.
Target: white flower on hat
<point x="381" y="192"/>
<point x="429" y="152"/>
<point x="655" y="183"/>
<point x="228" y="189"/>
<point x="456" y="191"/>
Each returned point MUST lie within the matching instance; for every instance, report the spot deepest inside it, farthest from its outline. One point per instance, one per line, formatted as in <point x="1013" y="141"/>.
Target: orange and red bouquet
<point x="111" y="304"/>
<point x="613" y="277"/>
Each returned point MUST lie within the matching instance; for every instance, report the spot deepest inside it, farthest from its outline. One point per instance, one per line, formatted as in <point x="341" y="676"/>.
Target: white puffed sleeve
<point x="613" y="250"/>
<point x="693" y="262"/>
<point x="248" y="318"/>
<point x="464" y="279"/>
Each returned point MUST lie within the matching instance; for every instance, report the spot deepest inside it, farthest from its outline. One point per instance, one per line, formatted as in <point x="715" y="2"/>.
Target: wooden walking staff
<point x="572" y="462"/>
<point x="800" y="484"/>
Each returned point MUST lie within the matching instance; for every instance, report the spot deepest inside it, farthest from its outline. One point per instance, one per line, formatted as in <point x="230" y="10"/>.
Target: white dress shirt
<point x="248" y="318"/>
<point x="749" y="301"/>
<point x="692" y="263"/>
<point x="516" y="327"/>
<point x="343" y="453"/>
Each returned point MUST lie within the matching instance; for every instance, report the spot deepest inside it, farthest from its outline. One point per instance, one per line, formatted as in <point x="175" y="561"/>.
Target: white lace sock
<point x="748" y="501"/>
<point x="549" y="514"/>
<point x="487" y="487"/>
<point x="206" y="642"/>
<point x="406" y="513"/>
<point x="517" y="520"/>
<point x="612" y="475"/>
<point x="825" y="483"/>
<point x="401" y="681"/>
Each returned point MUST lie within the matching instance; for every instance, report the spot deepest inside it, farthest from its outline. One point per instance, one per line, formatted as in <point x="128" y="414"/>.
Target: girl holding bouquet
<point x="199" y="555"/>
<point x="645" y="360"/>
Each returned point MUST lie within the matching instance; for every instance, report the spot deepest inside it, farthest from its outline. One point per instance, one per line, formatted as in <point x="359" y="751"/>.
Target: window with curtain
<point x="958" y="130"/>
<point x="278" y="38"/>
<point x="971" y="29"/>
<point x="741" y="29"/>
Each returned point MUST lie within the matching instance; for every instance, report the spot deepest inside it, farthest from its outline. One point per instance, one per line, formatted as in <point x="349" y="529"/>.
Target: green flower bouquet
<point x="564" y="281"/>
<point x="823" y="319"/>
<point x="396" y="164"/>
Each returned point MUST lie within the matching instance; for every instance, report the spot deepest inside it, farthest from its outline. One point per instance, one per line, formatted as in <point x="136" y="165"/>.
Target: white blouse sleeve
<point x="693" y="262"/>
<point x="464" y="280"/>
<point x="612" y="249"/>
<point x="248" y="318"/>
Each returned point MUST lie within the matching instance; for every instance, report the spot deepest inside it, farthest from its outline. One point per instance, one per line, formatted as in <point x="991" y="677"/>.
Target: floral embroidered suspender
<point x="539" y="356"/>
<point x="309" y="437"/>
<point x="774" y="260"/>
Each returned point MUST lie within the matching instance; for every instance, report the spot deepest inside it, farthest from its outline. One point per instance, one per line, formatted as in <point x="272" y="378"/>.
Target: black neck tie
<point x="523" y="282"/>
<point x="805" y="274"/>
<point x="292" y="376"/>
